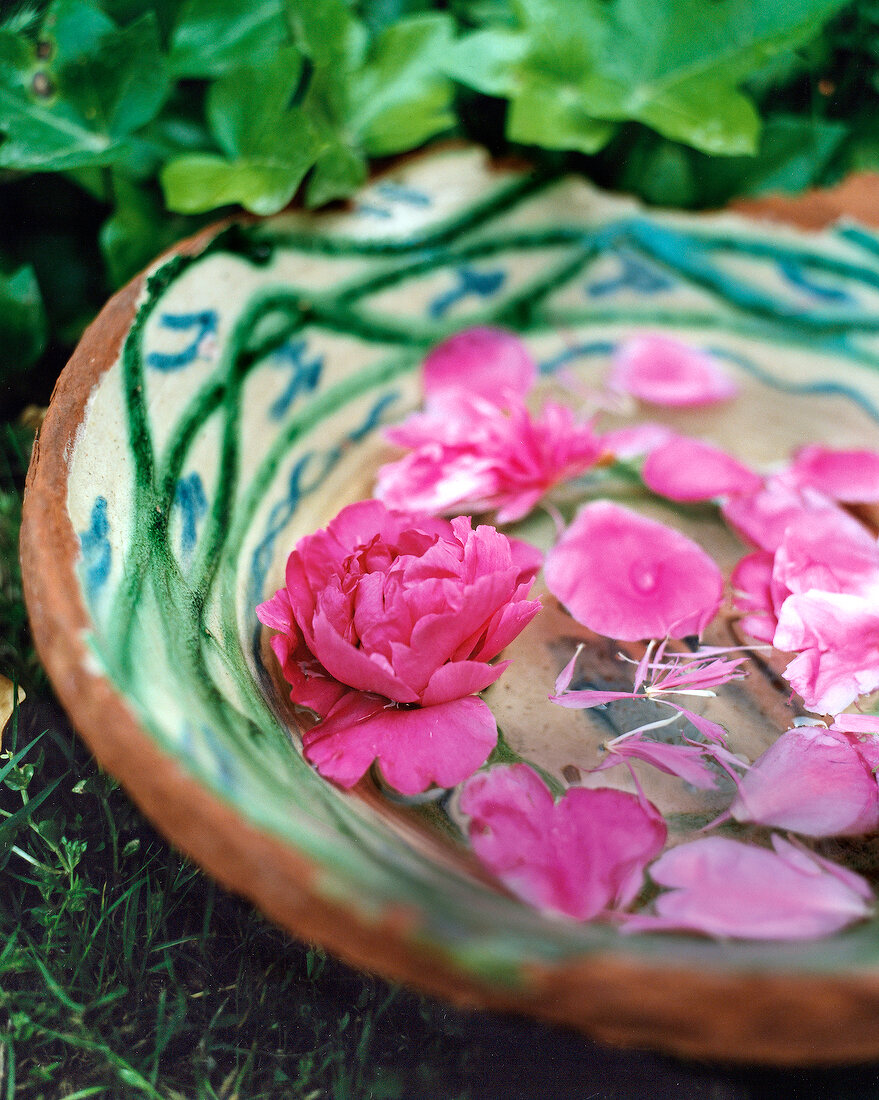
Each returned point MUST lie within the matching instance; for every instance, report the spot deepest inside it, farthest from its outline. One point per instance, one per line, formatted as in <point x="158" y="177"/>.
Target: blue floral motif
<point x="192" y="503"/>
<point x="205" y="323"/>
<point x="96" y="551"/>
<point x="484" y="284"/>
<point x="635" y="275"/>
<point x="394" y="193"/>
<point x="304" y="377"/>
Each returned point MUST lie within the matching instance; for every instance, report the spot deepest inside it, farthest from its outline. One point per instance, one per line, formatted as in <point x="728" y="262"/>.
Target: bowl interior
<point x="245" y="410"/>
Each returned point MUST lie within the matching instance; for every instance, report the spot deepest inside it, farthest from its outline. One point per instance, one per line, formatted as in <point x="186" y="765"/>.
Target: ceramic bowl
<point x="230" y="400"/>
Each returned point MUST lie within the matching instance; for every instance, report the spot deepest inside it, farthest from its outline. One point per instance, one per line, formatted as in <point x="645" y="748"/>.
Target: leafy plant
<point x="151" y="119"/>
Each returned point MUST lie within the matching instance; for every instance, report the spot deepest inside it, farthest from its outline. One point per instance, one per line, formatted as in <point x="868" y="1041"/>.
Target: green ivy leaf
<point x="674" y="65"/>
<point x="401" y="96"/>
<point x="338" y="173"/>
<point x="81" y="105"/>
<point x="268" y="145"/>
<point x="23" y="328"/>
<point x="370" y="98"/>
<point x="212" y="37"/>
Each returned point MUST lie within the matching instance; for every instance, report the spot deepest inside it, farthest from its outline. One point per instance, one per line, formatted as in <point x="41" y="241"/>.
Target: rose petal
<point x="487" y="362"/>
<point x="848" y="475"/>
<point x="629" y="577"/>
<point x="663" y="371"/>
<point x="691" y="470"/>
<point x="414" y="748"/>
<point x="580" y="856"/>
<point x="726" y="888"/>
<point x="836" y="637"/>
<point x="812" y="781"/>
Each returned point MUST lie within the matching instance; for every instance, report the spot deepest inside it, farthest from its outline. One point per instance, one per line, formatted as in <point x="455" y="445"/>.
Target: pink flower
<point x="816" y="552"/>
<point x="726" y="888"/>
<point x="629" y="577"/>
<point x="485" y="362"/>
<point x="475" y="456"/>
<point x="580" y="856"/>
<point x="836" y="638"/>
<point x="814" y="781"/>
<point x="852" y="476"/>
<point x="386" y="627"/>
<point x="691" y="470"/>
<point x="663" y="371"/>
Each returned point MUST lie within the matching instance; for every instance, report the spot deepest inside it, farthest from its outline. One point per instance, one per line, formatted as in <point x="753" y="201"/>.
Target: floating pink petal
<point x="579" y="857"/>
<point x="386" y="627"/>
<point x="848" y="475"/>
<point x="819" y="552"/>
<point x="813" y="781"/>
<point x="663" y="371"/>
<point x="687" y="469"/>
<point x="836" y="638"/>
<point x="728" y="889"/>
<point x="485" y="362"/>
<point x="762" y="518"/>
<point x="629" y="577"/>
<point x="636" y="439"/>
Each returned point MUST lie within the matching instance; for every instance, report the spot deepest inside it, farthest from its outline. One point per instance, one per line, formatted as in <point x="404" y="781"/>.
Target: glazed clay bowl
<point x="231" y="400"/>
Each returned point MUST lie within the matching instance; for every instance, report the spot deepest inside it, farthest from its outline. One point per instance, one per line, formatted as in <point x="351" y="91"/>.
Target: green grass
<point x="126" y="972"/>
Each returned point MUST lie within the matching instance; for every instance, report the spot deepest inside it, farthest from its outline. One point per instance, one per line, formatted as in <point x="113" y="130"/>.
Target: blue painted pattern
<point x="96" y="551"/>
<point x="304" y="374"/>
<point x="484" y="284"/>
<point x="203" y="323"/>
<point x="192" y="503"/>
<point x="635" y="275"/>
<point x="394" y="194"/>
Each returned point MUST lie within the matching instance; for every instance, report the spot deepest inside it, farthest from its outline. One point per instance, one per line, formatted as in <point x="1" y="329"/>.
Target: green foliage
<point x="162" y="116"/>
<point x="125" y="973"/>
<point x="22" y="320"/>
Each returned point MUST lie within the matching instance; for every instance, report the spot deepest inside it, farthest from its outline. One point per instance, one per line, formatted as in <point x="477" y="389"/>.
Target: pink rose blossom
<point x="687" y="469"/>
<point x="580" y="856"/>
<point x="851" y="476"/>
<point x="476" y="456"/>
<point x="836" y="638"/>
<point x="814" y="781"/>
<point x="485" y="362"/>
<point x="387" y="625"/>
<point x="725" y="888"/>
<point x="629" y="577"/>
<point x="663" y="371"/>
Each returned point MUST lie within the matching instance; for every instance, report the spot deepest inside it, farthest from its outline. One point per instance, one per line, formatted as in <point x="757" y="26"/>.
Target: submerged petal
<point x="812" y="781"/>
<point x="848" y="475"/>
